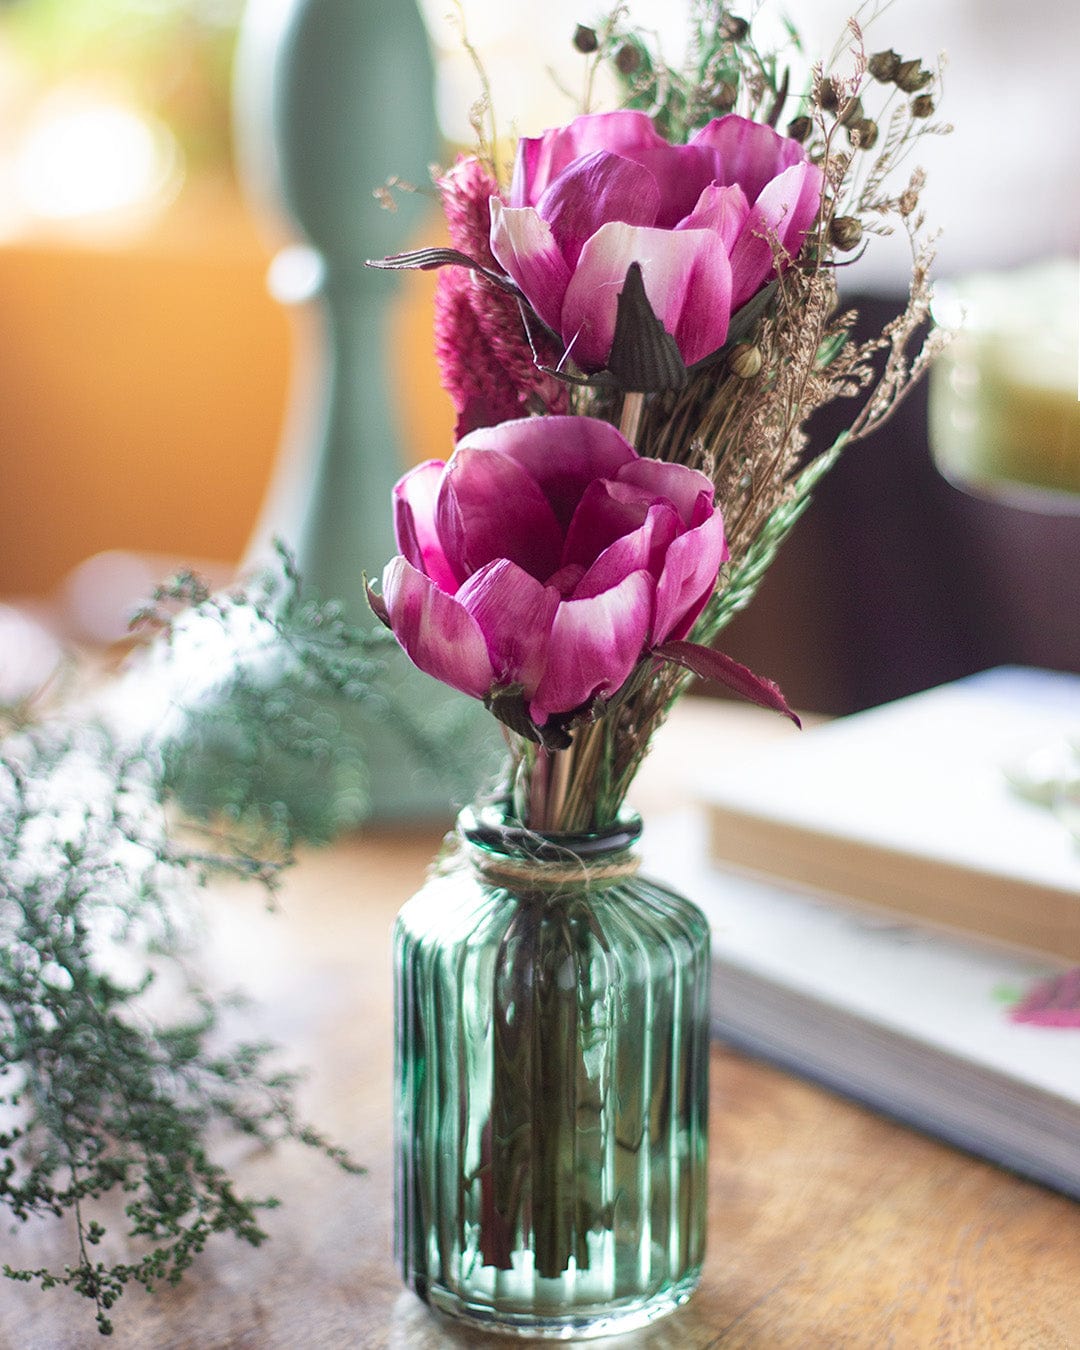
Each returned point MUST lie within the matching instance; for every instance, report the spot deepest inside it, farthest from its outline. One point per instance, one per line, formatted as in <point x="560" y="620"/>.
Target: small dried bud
<point x="627" y="59"/>
<point x="922" y="105"/>
<point x="907" y="201"/>
<point x="852" y="113"/>
<point x="863" y="133"/>
<point x="829" y="95"/>
<point x="911" y="77"/>
<point x="722" y="96"/>
<point x="734" y="28"/>
<point x="884" y="66"/>
<point x="845" y="233"/>
<point x="744" y="360"/>
<point x="585" y="39"/>
<point x="799" y="128"/>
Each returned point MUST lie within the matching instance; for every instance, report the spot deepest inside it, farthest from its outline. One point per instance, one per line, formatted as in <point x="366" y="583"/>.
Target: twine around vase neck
<point x="552" y="875"/>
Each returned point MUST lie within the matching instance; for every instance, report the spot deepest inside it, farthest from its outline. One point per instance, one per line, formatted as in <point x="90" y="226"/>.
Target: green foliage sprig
<point x="101" y="1094"/>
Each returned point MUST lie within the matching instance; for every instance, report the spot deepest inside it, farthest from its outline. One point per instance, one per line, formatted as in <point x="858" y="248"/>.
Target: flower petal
<point x="595" y="644"/>
<point x="592" y="191"/>
<point x="781" y="216"/>
<point x="541" y="159"/>
<point x="689" y="490"/>
<point x="438" y="634"/>
<point x="750" y="153"/>
<point x="515" y="613"/>
<point x="607" y="511"/>
<point x="414" y="523"/>
<point x="688" y="579"/>
<point x="489" y="507"/>
<point x="523" y="243"/>
<point x="642" y="549"/>
<point x="561" y="454"/>
<point x="721" y="209"/>
<point x="687" y="279"/>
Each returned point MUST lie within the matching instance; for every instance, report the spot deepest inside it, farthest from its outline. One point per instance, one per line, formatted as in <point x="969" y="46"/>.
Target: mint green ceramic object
<point x="333" y="98"/>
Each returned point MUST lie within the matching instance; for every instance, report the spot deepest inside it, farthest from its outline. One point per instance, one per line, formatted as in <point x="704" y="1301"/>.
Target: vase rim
<point x="488" y="827"/>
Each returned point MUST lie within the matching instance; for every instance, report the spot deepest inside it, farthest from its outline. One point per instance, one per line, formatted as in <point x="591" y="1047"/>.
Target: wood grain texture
<point x="829" y="1226"/>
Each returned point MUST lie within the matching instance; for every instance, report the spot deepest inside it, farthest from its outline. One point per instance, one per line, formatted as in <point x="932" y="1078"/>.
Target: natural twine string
<point x="556" y="875"/>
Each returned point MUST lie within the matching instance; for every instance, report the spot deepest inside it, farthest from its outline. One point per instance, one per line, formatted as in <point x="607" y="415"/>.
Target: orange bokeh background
<point x="144" y="385"/>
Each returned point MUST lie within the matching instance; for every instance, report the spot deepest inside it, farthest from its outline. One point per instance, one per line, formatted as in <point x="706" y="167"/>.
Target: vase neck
<point x="505" y="853"/>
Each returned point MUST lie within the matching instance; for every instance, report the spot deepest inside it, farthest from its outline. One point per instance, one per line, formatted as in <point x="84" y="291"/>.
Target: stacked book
<point x="891" y="918"/>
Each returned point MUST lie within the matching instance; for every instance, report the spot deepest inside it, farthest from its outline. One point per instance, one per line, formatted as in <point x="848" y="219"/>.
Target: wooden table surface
<point x="829" y="1226"/>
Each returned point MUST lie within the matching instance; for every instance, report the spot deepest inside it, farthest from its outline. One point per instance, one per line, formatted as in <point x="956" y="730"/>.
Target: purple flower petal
<point x="541" y="159"/>
<point x="592" y="191"/>
<point x="438" y="634"/>
<point x="607" y="511"/>
<point x="414" y="523"/>
<point x="688" y="490"/>
<point x="489" y="507"/>
<point x="515" y="613"/>
<point x="595" y="644"/>
<point x="688" y="578"/>
<point x="721" y="209"/>
<point x="781" y="215"/>
<point x="682" y="173"/>
<point x="643" y="549"/>
<point x="561" y="454"/>
<point x="687" y="279"/>
<point x="750" y="153"/>
<point x="523" y="243"/>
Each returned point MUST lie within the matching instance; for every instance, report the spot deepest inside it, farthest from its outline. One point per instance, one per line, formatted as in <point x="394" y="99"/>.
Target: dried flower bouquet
<point x="634" y="333"/>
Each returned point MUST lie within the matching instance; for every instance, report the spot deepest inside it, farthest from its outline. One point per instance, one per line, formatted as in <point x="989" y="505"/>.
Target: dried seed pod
<point x="884" y="66"/>
<point x="829" y="95"/>
<point x="845" y="233"/>
<point x="852" y="113"/>
<point x="722" y="96"/>
<point x="799" y="128"/>
<point x="907" y="201"/>
<point x="922" y="105"/>
<point x="911" y="77"/>
<point x="628" y="59"/>
<point x="734" y="28"/>
<point x="585" y="39"/>
<point x="744" y="360"/>
<point x="863" y="134"/>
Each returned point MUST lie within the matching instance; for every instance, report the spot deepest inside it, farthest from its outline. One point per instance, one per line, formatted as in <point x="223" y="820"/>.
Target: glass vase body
<point x="552" y="1080"/>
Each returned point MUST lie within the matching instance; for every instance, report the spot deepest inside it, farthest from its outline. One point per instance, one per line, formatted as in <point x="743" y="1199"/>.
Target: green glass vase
<point x="552" y="1081"/>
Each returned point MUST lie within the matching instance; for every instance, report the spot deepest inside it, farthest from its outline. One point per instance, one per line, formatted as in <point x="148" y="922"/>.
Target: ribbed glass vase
<point x="552" y="1081"/>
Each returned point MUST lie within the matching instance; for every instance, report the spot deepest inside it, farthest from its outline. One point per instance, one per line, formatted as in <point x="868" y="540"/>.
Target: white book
<point x="907" y="808"/>
<point x="907" y="1019"/>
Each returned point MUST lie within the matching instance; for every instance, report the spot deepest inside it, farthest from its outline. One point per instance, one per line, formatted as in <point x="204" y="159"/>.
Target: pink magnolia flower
<point x="705" y="221"/>
<point x="548" y="556"/>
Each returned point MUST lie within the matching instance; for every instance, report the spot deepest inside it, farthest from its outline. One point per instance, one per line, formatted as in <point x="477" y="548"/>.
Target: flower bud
<point x="585" y="39"/>
<point x="884" y="66"/>
<point x="744" y="360"/>
<point x="627" y="59"/>
<point x="907" y="201"/>
<point x="922" y="105"/>
<point x="734" y="28"/>
<point x="799" y="128"/>
<point x="845" y="233"/>
<point x="864" y="132"/>
<point x="911" y="77"/>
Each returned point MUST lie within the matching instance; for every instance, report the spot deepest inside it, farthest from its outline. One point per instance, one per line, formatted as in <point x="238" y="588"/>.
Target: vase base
<point x="577" y="1324"/>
